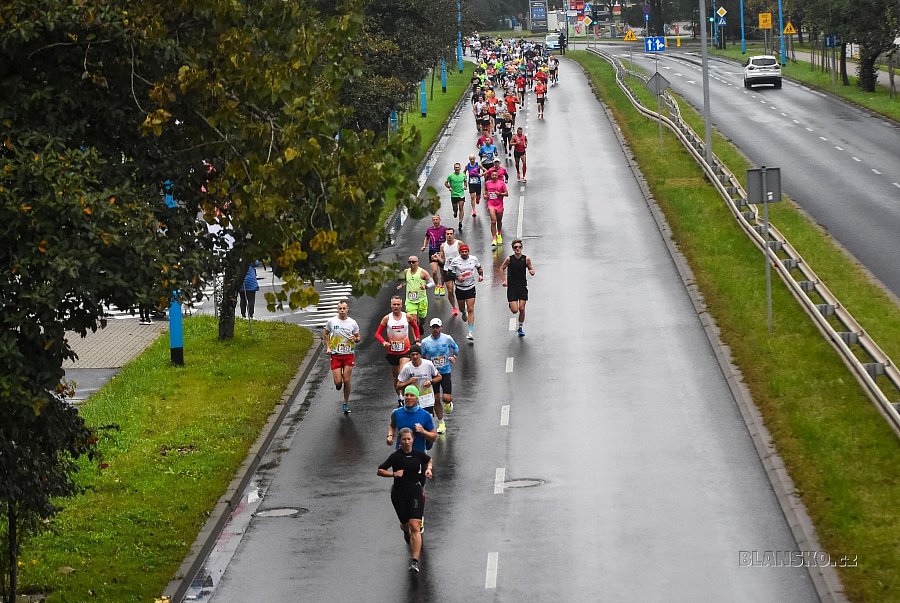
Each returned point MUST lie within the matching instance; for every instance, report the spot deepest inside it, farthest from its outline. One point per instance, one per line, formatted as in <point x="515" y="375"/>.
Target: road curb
<point x="825" y="580"/>
<point x="231" y="498"/>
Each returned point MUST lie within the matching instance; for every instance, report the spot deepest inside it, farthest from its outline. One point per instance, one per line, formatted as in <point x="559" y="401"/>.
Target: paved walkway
<point x="113" y="346"/>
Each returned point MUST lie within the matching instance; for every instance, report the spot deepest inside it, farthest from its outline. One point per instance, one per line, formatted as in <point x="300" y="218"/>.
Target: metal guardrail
<point x="862" y="355"/>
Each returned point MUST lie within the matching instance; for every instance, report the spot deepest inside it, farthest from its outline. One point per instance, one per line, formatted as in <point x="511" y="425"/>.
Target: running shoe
<point x="399" y="401"/>
<point x="414" y="567"/>
<point x="520" y="332"/>
<point x="494" y="242"/>
<point x="499" y="238"/>
<point x="442" y="427"/>
<point x="474" y="214"/>
<point x="470" y="336"/>
<point x="460" y="227"/>
<point x="346" y="408"/>
<point x="454" y="312"/>
<point x="338" y="386"/>
<point x="448" y="406"/>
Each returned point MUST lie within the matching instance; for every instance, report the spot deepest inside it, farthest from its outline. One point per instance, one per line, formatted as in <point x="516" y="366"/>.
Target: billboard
<point x="538" y="13"/>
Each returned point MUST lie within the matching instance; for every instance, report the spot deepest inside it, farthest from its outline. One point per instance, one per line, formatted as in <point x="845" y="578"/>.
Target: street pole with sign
<point x="743" y="37"/>
<point x="715" y="31"/>
<point x="764" y="186"/>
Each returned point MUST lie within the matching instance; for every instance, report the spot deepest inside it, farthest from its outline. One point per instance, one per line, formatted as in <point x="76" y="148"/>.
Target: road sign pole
<point x="659" y="107"/>
<point x="715" y="31"/>
<point x="765" y="192"/>
<point x="743" y="37"/>
<point x="704" y="53"/>
<point x="781" y="31"/>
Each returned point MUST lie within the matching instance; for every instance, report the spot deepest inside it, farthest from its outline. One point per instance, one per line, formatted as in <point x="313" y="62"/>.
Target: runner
<point x="554" y="70"/>
<point x="506" y="131"/>
<point x="412" y="416"/>
<point x="512" y="105"/>
<point x="340" y="336"/>
<point x="434" y="238"/>
<point x="456" y="184"/>
<point x="520" y="144"/>
<point x="495" y="190"/>
<point x="423" y="374"/>
<point x="487" y="153"/>
<point x="450" y="250"/>
<point x="409" y="468"/>
<point x="540" y="95"/>
<point x="513" y="274"/>
<point x="396" y="326"/>
<point x="442" y="350"/>
<point x="520" y="85"/>
<point x="473" y="174"/>
<point x="463" y="270"/>
<point x="417" y="281"/>
<point x="502" y="174"/>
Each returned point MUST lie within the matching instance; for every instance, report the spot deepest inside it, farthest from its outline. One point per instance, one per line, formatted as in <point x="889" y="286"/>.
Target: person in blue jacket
<point x="248" y="291"/>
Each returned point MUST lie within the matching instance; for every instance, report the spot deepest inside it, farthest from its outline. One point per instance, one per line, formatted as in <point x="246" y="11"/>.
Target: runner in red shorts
<point x="340" y="336"/>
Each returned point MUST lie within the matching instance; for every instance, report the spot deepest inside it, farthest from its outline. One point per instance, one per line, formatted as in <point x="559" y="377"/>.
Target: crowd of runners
<point x="421" y="363"/>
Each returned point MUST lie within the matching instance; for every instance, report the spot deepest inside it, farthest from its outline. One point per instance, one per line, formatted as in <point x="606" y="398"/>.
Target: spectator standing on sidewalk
<point x="248" y="291"/>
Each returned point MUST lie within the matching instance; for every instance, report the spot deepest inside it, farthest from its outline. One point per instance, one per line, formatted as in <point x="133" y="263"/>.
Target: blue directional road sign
<point x="721" y="22"/>
<point x="654" y="44"/>
<point x="588" y="8"/>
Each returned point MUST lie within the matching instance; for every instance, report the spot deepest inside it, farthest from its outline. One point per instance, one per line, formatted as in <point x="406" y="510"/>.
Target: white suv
<point x="763" y="69"/>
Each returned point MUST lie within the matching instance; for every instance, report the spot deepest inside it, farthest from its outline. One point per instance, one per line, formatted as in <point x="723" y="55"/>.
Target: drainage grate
<point x="523" y="483"/>
<point x="283" y="512"/>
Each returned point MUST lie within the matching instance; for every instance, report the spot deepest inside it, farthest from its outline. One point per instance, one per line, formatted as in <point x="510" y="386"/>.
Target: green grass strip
<point x="438" y="111"/>
<point x="184" y="433"/>
<point x="878" y="102"/>
<point x="840" y="452"/>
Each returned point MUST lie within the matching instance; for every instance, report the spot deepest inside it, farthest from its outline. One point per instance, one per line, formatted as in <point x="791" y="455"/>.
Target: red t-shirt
<point x="540" y="90"/>
<point x="520" y="82"/>
<point x="511" y="103"/>
<point x="540" y="75"/>
<point x="519" y="143"/>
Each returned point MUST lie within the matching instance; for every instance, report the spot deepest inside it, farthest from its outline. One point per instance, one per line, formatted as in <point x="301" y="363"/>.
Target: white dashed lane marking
<point x="504" y="415"/>
<point x="823" y="138"/>
<point x="839" y="148"/>
<point x="857" y="159"/>
<point x="490" y="577"/>
<point x="499" y="480"/>
<point x="874" y="171"/>
<point x="897" y="184"/>
<point x="509" y="364"/>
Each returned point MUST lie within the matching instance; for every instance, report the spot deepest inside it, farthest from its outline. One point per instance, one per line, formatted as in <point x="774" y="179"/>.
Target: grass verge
<point x="878" y="102"/>
<point x="839" y="451"/>
<point x="438" y="110"/>
<point x="184" y="433"/>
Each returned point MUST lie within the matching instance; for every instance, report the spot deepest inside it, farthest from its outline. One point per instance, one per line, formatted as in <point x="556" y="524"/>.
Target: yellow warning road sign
<point x="630" y="37"/>
<point x="765" y="20"/>
<point x="789" y="29"/>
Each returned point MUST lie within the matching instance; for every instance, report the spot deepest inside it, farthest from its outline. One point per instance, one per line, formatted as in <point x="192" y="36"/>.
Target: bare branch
<point x="133" y="95"/>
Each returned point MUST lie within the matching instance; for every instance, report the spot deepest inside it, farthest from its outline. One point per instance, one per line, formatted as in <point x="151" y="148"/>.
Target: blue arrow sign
<point x="654" y="44"/>
<point x="646" y="17"/>
<point x="588" y="8"/>
<point x="721" y="22"/>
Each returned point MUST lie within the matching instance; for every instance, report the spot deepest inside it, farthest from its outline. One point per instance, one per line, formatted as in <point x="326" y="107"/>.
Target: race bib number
<point x="426" y="400"/>
<point x="439" y="361"/>
<point x="412" y="296"/>
<point x="492" y="195"/>
<point x="398" y="346"/>
<point x="344" y="348"/>
<point x="474" y="179"/>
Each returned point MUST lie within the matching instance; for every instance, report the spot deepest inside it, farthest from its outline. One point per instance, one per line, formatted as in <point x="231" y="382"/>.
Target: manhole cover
<point x="284" y="512"/>
<point x="523" y="483"/>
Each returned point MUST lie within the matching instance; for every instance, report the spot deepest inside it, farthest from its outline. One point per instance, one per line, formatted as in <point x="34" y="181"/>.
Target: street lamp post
<point x="704" y="54"/>
<point x="743" y="38"/>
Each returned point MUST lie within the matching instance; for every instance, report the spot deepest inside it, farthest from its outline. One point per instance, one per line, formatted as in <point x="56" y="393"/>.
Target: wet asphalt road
<point x="651" y="483"/>
<point x="839" y="163"/>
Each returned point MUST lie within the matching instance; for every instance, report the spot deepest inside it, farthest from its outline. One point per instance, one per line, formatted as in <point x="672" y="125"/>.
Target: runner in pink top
<point x="494" y="190"/>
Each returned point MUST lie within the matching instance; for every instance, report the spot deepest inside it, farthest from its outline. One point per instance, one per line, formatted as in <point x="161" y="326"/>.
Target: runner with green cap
<point x="414" y="417"/>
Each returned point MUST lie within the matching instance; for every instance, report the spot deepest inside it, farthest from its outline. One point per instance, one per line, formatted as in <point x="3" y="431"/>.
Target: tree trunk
<point x="13" y="553"/>
<point x="868" y="74"/>
<point x="844" y="78"/>
<point x="231" y="284"/>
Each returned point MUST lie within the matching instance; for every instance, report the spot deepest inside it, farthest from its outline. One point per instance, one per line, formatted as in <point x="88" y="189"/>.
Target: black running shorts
<point x="408" y="503"/>
<point x="516" y="294"/>
<point x="462" y="294"/>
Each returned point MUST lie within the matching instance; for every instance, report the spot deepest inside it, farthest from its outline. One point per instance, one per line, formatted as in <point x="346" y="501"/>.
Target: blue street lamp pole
<point x="422" y="97"/>
<point x="715" y="26"/>
<point x="781" y="31"/>
<point x="459" y="56"/>
<point x="443" y="75"/>
<point x="743" y="38"/>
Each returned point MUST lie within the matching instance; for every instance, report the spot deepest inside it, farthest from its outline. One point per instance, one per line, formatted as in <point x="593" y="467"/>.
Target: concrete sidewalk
<point x="113" y="346"/>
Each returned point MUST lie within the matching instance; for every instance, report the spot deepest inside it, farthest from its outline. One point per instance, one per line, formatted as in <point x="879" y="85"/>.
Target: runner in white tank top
<point x="450" y="250"/>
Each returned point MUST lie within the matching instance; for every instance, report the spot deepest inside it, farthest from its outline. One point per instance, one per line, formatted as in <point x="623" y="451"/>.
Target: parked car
<point x="551" y="42"/>
<point x="762" y="69"/>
